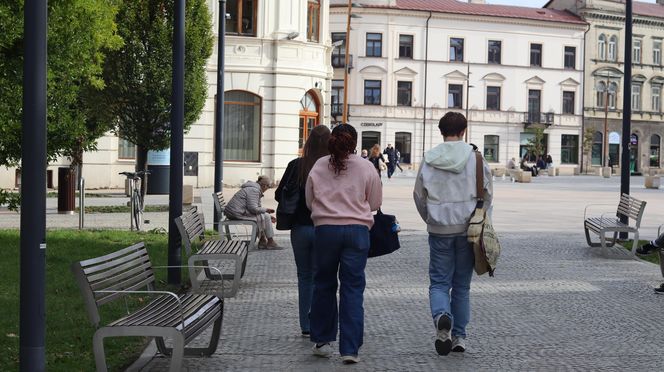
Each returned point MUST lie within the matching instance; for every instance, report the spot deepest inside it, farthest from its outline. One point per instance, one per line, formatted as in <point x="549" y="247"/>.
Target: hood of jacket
<point x="253" y="184"/>
<point x="449" y="156"/>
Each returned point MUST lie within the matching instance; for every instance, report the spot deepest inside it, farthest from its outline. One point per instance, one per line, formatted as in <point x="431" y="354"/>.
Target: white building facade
<point x="511" y="69"/>
<point x="277" y="81"/>
<point x="604" y="76"/>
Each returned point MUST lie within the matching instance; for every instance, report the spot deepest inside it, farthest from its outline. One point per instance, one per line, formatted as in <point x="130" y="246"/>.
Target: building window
<point x="534" y="105"/>
<point x="654" y="150"/>
<point x="404" y="93"/>
<point x="536" y="55"/>
<point x="570" y="57"/>
<point x="242" y="126"/>
<point x="601" y="93"/>
<point x="636" y="51"/>
<point x="309" y="117"/>
<point x="596" y="151"/>
<point x="491" y="148"/>
<point x="403" y="146"/>
<point x="372" y="92"/>
<point x="493" y="98"/>
<point x="337" y="97"/>
<point x="313" y="20"/>
<point x="374" y="45"/>
<point x="126" y="149"/>
<point x="569" y="149"/>
<point x="636" y="97"/>
<point x="456" y="49"/>
<point x="568" y="103"/>
<point x="405" y="46"/>
<point x="241" y="17"/>
<point x="339" y="53"/>
<point x="613" y="90"/>
<point x="455" y="96"/>
<point x="656" y="98"/>
<point x="494" y="51"/>
<point x="613" y="51"/>
<point x="370" y="138"/>
<point x="657" y="52"/>
<point x="601" y="47"/>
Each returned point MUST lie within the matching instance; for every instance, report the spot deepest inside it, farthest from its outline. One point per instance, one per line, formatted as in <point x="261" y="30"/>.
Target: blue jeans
<point x="451" y="268"/>
<point x="302" y="239"/>
<point x="342" y="250"/>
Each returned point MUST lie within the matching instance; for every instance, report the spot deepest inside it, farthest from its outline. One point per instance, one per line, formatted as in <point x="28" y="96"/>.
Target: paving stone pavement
<point x="554" y="305"/>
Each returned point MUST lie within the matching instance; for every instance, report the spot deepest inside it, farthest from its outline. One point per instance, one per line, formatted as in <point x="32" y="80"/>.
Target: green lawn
<point x="653" y="257"/>
<point x="68" y="331"/>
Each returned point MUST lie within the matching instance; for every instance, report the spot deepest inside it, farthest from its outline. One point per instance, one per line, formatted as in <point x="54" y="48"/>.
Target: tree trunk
<point x="142" y="165"/>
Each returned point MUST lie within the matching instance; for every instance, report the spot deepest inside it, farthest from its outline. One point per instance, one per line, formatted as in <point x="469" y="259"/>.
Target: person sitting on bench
<point x="650" y="247"/>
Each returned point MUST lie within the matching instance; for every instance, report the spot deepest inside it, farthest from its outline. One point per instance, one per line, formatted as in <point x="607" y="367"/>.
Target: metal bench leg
<point x="236" y="279"/>
<point x="590" y="243"/>
<point x="214" y="339"/>
<point x="661" y="261"/>
<point x="602" y="239"/>
<point x="177" y="352"/>
<point x="635" y="242"/>
<point x="98" y="349"/>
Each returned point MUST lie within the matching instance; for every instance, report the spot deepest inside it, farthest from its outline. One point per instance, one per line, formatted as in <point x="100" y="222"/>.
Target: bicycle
<point x="135" y="199"/>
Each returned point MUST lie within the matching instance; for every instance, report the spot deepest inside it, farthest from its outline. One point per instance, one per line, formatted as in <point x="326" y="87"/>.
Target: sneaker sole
<point x="458" y="349"/>
<point x="443" y="347"/>
<point x="659" y="292"/>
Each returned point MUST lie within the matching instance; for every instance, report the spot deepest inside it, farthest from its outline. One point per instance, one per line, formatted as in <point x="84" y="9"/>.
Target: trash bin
<point x="160" y="171"/>
<point x="66" y="190"/>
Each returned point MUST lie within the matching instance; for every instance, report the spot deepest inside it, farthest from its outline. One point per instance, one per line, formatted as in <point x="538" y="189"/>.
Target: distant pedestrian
<point x="342" y="191"/>
<point x="398" y="160"/>
<point x="377" y="159"/>
<point x="549" y="161"/>
<point x="365" y="154"/>
<point x="445" y="196"/>
<point x="511" y="164"/>
<point x="540" y="163"/>
<point x="391" y="161"/>
<point x="300" y="223"/>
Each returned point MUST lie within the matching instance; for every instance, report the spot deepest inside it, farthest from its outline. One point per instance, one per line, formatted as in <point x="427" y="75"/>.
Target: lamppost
<point x="467" y="100"/>
<point x="607" y="90"/>
<point x="219" y="108"/>
<point x="344" y="117"/>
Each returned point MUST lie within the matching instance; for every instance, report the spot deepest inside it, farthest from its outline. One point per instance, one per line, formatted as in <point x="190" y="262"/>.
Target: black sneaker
<point x="647" y="248"/>
<point x="660" y="289"/>
<point x="443" y="342"/>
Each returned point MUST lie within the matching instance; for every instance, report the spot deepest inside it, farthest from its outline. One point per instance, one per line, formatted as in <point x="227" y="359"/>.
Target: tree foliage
<point x="79" y="31"/>
<point x="138" y="76"/>
<point x="535" y="144"/>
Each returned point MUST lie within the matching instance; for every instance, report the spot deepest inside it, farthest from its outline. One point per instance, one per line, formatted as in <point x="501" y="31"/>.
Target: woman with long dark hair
<point x="342" y="190"/>
<point x="299" y="222"/>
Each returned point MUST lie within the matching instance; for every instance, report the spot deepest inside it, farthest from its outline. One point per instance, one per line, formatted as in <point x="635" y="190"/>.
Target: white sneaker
<point x="443" y="342"/>
<point x="323" y="351"/>
<point x="350" y="359"/>
<point x="458" y="344"/>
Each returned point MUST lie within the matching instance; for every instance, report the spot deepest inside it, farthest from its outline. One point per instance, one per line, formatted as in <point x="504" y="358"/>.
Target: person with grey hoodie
<point x="246" y="205"/>
<point x="445" y="196"/>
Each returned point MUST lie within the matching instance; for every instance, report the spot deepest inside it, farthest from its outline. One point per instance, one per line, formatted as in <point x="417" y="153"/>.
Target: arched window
<point x="242" y="126"/>
<point x="601" y="93"/>
<point x="309" y="116"/>
<point x="598" y="142"/>
<point x="313" y="20"/>
<point x="654" y="151"/>
<point x="601" y="47"/>
<point x="613" y="48"/>
<point x="613" y="90"/>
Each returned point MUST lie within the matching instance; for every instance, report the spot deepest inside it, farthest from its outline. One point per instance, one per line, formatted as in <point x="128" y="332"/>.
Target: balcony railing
<point x="535" y="117"/>
<point x="338" y="61"/>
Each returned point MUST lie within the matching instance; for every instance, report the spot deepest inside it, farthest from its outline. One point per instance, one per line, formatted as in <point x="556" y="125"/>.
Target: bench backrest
<point x="127" y="269"/>
<point x="192" y="228"/>
<point x="219" y="204"/>
<point x="632" y="208"/>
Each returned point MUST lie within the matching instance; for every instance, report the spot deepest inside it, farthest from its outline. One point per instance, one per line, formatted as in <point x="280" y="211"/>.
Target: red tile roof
<point x="648" y="9"/>
<point x="490" y="10"/>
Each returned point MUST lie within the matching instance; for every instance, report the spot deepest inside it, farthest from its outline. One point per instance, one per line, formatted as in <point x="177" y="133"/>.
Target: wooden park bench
<point x="629" y="207"/>
<point x="230" y="229"/>
<point x="129" y="272"/>
<point x="192" y="231"/>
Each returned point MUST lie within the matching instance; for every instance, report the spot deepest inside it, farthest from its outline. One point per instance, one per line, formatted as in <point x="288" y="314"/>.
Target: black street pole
<point x="627" y="109"/>
<point x="219" y="109"/>
<point x="32" y="324"/>
<point x="177" y="134"/>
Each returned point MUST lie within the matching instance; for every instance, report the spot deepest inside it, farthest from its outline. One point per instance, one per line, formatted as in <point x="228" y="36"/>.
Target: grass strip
<point x="68" y="330"/>
<point x="652" y="257"/>
<point x="122" y="208"/>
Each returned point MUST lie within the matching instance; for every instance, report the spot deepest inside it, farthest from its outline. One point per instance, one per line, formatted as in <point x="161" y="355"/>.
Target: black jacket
<point x="302" y="213"/>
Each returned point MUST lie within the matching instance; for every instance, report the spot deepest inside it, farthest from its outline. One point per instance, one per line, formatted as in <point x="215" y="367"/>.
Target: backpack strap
<point x="479" y="179"/>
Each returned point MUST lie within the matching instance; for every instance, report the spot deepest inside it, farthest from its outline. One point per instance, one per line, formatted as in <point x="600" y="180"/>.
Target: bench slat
<point x="136" y="272"/>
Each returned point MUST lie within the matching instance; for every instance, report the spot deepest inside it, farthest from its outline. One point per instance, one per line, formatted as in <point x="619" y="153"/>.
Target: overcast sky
<point x="534" y="3"/>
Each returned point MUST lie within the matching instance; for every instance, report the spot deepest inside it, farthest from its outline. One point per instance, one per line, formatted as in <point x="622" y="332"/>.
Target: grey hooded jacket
<point x="445" y="191"/>
<point x="246" y="203"/>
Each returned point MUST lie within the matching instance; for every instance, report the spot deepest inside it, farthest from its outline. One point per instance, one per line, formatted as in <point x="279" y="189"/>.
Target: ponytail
<point x="342" y="143"/>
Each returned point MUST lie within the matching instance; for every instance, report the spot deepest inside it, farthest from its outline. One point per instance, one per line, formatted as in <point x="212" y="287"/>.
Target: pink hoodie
<point x="344" y="199"/>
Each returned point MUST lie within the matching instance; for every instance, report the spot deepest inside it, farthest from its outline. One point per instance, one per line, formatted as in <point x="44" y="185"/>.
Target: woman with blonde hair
<point x="377" y="159"/>
<point x="342" y="190"/>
